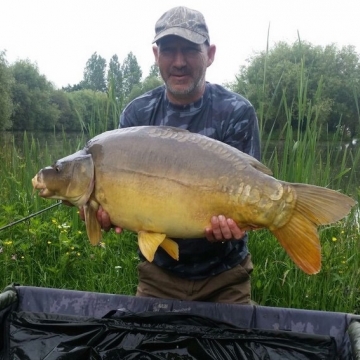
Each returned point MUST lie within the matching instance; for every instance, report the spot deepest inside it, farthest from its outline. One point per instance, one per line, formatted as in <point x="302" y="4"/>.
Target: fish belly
<point x="140" y="203"/>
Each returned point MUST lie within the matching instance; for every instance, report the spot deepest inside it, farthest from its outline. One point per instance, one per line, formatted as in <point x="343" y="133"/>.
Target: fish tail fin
<point x="300" y="240"/>
<point x="314" y="206"/>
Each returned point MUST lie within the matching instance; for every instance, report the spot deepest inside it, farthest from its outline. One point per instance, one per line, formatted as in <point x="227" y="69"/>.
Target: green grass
<point x="52" y="250"/>
<point x="277" y="282"/>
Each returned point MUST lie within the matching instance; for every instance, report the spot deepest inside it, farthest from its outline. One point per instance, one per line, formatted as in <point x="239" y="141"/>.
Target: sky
<point x="60" y="36"/>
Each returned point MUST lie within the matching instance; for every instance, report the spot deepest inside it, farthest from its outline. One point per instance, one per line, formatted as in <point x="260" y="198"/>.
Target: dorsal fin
<point x="172" y="128"/>
<point x="256" y="164"/>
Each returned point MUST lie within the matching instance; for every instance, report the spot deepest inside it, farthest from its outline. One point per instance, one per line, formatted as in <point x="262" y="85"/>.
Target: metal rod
<point x="30" y="216"/>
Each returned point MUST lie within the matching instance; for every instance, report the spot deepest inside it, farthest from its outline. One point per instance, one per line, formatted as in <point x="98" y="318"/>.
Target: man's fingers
<point x="216" y="228"/>
<point x="220" y="228"/>
<point x="209" y="234"/>
<point x="118" y="230"/>
<point x="104" y="219"/>
<point x="223" y="229"/>
<point x="236" y="232"/>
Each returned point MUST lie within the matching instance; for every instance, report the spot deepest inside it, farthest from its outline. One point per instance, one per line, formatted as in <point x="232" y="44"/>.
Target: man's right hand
<point x="103" y="218"/>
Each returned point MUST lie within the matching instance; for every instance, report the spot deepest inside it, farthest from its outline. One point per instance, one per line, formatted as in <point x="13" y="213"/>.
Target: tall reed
<point x="307" y="153"/>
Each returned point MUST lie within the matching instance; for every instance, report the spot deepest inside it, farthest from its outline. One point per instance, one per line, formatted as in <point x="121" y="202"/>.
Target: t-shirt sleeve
<point x="128" y="117"/>
<point x="143" y="110"/>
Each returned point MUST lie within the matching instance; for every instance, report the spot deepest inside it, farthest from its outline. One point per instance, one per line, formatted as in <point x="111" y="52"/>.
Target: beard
<point x="192" y="87"/>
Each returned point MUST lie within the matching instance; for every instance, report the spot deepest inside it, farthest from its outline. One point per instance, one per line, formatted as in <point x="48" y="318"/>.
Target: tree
<point x="291" y="80"/>
<point x="151" y="82"/>
<point x="154" y="71"/>
<point x="131" y="72"/>
<point x="6" y="104"/>
<point x="70" y="88"/>
<point x="94" y="74"/>
<point x="31" y="94"/>
<point x="114" y="77"/>
<point x="67" y="117"/>
<point x="89" y="108"/>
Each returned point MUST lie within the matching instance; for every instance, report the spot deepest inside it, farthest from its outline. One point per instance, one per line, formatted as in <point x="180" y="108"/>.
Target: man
<point x="216" y="268"/>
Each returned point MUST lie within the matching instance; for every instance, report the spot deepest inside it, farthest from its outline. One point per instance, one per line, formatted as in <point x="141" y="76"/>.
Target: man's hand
<point x="223" y="229"/>
<point x="103" y="218"/>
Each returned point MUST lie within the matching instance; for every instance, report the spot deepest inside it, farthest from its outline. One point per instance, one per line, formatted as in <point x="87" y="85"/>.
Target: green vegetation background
<point x="307" y="103"/>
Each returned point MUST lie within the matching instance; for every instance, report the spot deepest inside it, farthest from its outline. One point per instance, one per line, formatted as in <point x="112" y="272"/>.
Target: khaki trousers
<point x="231" y="286"/>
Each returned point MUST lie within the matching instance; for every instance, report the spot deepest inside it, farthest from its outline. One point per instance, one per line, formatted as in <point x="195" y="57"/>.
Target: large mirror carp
<point x="164" y="183"/>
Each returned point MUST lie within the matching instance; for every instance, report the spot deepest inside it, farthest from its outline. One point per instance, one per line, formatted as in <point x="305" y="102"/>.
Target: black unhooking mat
<point x="153" y="336"/>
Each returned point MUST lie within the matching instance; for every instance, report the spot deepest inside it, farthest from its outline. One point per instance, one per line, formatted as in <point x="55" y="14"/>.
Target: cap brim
<point x="183" y="33"/>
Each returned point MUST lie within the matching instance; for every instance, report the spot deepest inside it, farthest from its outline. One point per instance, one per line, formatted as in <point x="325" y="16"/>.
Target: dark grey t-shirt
<point x="221" y="115"/>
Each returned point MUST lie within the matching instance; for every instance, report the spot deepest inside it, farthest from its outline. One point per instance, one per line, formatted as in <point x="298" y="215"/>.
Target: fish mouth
<point x="42" y="192"/>
<point x="39" y="185"/>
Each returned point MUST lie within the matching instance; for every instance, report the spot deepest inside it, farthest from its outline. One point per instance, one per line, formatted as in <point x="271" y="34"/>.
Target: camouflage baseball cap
<point x="184" y="22"/>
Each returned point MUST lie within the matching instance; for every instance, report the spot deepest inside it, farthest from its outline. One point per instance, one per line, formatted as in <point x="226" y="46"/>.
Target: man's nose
<point x="179" y="59"/>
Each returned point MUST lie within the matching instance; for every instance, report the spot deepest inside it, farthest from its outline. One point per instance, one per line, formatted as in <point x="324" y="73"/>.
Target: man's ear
<point x="211" y="54"/>
<point x="156" y="52"/>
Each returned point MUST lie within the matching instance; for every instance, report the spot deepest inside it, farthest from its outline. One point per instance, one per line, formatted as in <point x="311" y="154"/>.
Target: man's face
<point x="183" y="66"/>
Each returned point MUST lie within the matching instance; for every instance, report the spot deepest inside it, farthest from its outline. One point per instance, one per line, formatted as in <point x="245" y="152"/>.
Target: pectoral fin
<point x="93" y="227"/>
<point x="149" y="242"/>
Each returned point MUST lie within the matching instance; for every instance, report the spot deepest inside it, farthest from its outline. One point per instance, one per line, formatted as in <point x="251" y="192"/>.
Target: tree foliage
<point x="6" y="104"/>
<point x="67" y="120"/>
<point x="70" y="88"/>
<point x="31" y="95"/>
<point x="151" y="82"/>
<point x="154" y="71"/>
<point x="131" y="72"/>
<point x="30" y="102"/>
<point x="94" y="73"/>
<point x="289" y="79"/>
<point x="299" y="81"/>
<point x="88" y="107"/>
<point x="115" y="77"/>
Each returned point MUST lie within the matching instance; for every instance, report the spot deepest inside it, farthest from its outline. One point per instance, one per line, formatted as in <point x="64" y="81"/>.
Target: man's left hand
<point x="223" y="229"/>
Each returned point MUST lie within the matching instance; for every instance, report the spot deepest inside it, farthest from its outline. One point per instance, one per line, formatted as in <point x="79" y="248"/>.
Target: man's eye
<point x="192" y="50"/>
<point x="166" y="50"/>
